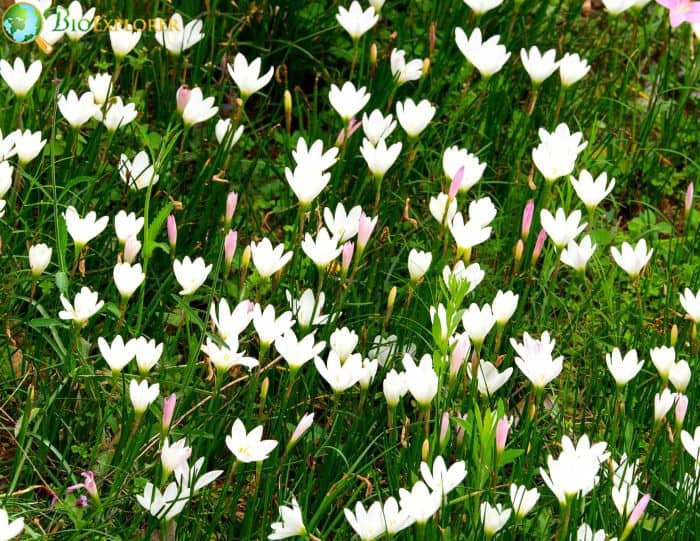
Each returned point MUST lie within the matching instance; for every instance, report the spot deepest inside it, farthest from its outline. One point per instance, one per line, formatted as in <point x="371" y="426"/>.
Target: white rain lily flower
<point x="489" y="379"/>
<point x="482" y="211"/>
<point x="479" y="7"/>
<point x="6" y="172"/>
<point x="632" y="260"/>
<point x="39" y="258"/>
<point x="486" y="56"/>
<point x="454" y="159"/>
<point x="615" y="7"/>
<point x="679" y="375"/>
<point x="340" y="375"/>
<point x="230" y="323"/>
<point x="442" y="479"/>
<point x="414" y="118"/>
<point x="341" y="224"/>
<point x="562" y="228"/>
<point x="322" y="250"/>
<point x="379" y="158"/>
<point x="394" y="387"/>
<point x="592" y="192"/>
<point x="421" y="379"/>
<point x="77" y="110"/>
<point x="403" y="71"/>
<point x="174" y="456"/>
<point x="307" y="181"/>
<point x="461" y="273"/>
<point x="355" y="20"/>
<point x="586" y="533"/>
<point x="314" y="156"/>
<point x="247" y="76"/>
<point x="224" y="134"/>
<point x="142" y="395"/>
<point x="75" y="31"/>
<point x="118" y="354"/>
<point x="127" y="225"/>
<point x="123" y="39"/>
<point x="139" y="173"/>
<point x="377" y="126"/>
<point x="85" y="305"/>
<point x="307" y="309"/>
<point x="191" y="274"/>
<point x="421" y="503"/>
<point x="396" y="518"/>
<point x="83" y="230"/>
<point x="269" y="260"/>
<point x="7" y="150"/>
<point x="535" y="360"/>
<point x="19" y="79"/>
<point x="186" y="476"/>
<point x="467" y="234"/>
<point x="10" y="530"/>
<point x="348" y="101"/>
<point x="128" y="278"/>
<point x="692" y="443"/>
<point x="625" y="498"/>
<point x="663" y="358"/>
<point x="442" y="208"/>
<point x="268" y="326"/>
<point x="368" y="371"/>
<point x="298" y="352"/>
<point x="28" y="145"/>
<point x="572" y="68"/>
<point x="478" y="322"/>
<point x="177" y="37"/>
<point x="225" y="357"/>
<point x="623" y="369"/>
<point x="504" y="306"/>
<point x="522" y="499"/>
<point x="198" y="108"/>
<point x="101" y="87"/>
<point x="576" y="255"/>
<point x="249" y="446"/>
<point x="368" y="524"/>
<point x="539" y="66"/>
<point x="148" y="353"/>
<point x="166" y="505"/>
<point x="343" y="342"/>
<point x="291" y="525"/>
<point x="418" y="264"/>
<point x="494" y="518"/>
<point x="663" y="402"/>
<point x="691" y="304"/>
<point x="117" y="115"/>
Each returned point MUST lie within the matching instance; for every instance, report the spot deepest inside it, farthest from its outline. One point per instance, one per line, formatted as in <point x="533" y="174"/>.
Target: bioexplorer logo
<point x="21" y="23"/>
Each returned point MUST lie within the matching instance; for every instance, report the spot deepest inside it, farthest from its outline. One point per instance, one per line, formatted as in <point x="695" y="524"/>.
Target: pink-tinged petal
<point x="677" y="18"/>
<point x="668" y="4"/>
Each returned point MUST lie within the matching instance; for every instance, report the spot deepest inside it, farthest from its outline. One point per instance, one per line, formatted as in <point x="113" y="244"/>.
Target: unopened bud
<point x="168" y="412"/>
<point x="431" y="38"/>
<point x="426" y="67"/>
<point x="171" y="226"/>
<point x="444" y="430"/>
<point x="264" y="388"/>
<point x="132" y="247"/>
<point x="348" y="252"/>
<point x="528" y="213"/>
<point x="502" y="434"/>
<point x="459" y="353"/>
<point x="635" y="516"/>
<point x="301" y="428"/>
<point x="288" y="110"/>
<point x="391" y="299"/>
<point x="674" y="335"/>
<point x="518" y="250"/>
<point x="425" y="450"/>
<point x="230" y="247"/>
<point x="182" y="96"/>
<point x="231" y="204"/>
<point x="689" y="193"/>
<point x="681" y="409"/>
<point x="455" y="184"/>
<point x="373" y="55"/>
<point x="245" y="260"/>
<point x="539" y="244"/>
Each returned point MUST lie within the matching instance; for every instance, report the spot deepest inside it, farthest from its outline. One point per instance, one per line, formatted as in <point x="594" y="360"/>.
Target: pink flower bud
<point x="168" y="411"/>
<point x="681" y="408"/>
<point x="518" y="250"/>
<point x="456" y="183"/>
<point x="89" y="483"/>
<point x="132" y="247"/>
<point x="348" y="252"/>
<point x="689" y="199"/>
<point x="172" y="231"/>
<point x="636" y="514"/>
<point x="528" y="212"/>
<point x="182" y="96"/>
<point x="304" y="424"/>
<point x="365" y="230"/>
<point x="459" y="431"/>
<point x="230" y="247"/>
<point x="353" y="126"/>
<point x="444" y="428"/>
<point x="502" y="434"/>
<point x="459" y="353"/>
<point x="539" y="244"/>
<point x="231" y="203"/>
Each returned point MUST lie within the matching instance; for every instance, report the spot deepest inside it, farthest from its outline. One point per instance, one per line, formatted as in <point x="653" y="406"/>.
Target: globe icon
<point x="21" y="23"/>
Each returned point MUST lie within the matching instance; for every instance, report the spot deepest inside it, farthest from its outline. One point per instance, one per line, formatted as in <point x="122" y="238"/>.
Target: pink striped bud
<point x="364" y="231"/>
<point x="635" y="516"/>
<point x="230" y="247"/>
<point x="502" y="434"/>
<point x="168" y="411"/>
<point x="459" y="353"/>
<point x="539" y="244"/>
<point x="689" y="193"/>
<point x="681" y="408"/>
<point x="171" y="226"/>
<point x="304" y="425"/>
<point x="231" y="203"/>
<point x="182" y="96"/>
<point x="348" y="252"/>
<point x="456" y="183"/>
<point x="528" y="213"/>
